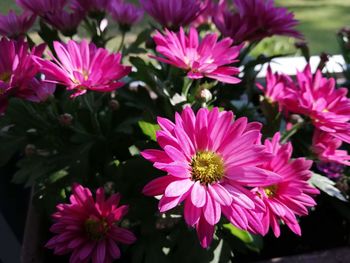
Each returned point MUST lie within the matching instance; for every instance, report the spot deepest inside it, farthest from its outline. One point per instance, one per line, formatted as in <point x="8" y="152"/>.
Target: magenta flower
<point x="66" y="22"/>
<point x="88" y="229"/>
<point x="13" y="25"/>
<point x="125" y="14"/>
<point x="173" y="14"/>
<point x="275" y="86"/>
<point x="326" y="147"/>
<point x="83" y="66"/>
<point x="42" y="7"/>
<point x="90" y="6"/>
<point x="17" y="71"/>
<point x="291" y="195"/>
<point x="209" y="160"/>
<point x="254" y="20"/>
<point x="206" y="58"/>
<point x="317" y="98"/>
<point x="332" y="170"/>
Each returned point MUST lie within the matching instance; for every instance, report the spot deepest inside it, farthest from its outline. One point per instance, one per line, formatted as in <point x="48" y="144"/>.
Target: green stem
<point x="288" y="134"/>
<point x="121" y="41"/>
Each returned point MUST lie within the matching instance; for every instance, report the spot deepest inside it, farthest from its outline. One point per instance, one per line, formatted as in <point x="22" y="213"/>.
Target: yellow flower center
<point x="207" y="167"/>
<point x="5" y="76"/>
<point x="270" y="191"/>
<point x="96" y="229"/>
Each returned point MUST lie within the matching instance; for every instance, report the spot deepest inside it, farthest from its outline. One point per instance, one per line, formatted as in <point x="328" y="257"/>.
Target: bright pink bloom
<point x="83" y="66"/>
<point x="254" y="20"/>
<point x="207" y="58"/>
<point x="318" y="98"/>
<point x="209" y="160"/>
<point x="90" y="6"/>
<point x="275" y="86"/>
<point x="291" y="195"/>
<point x="17" y="71"/>
<point x="88" y="228"/>
<point x="66" y="22"/>
<point x="42" y="7"/>
<point x="125" y="14"/>
<point x="173" y="14"/>
<point x="326" y="147"/>
<point x="13" y="25"/>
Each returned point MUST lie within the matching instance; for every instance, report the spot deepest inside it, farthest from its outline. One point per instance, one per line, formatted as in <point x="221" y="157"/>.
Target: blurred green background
<point x="319" y="20"/>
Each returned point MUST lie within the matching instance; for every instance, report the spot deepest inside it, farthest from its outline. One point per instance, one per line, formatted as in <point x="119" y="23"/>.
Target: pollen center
<point x="96" y="229"/>
<point x="271" y="190"/>
<point x="5" y="76"/>
<point x="207" y="167"/>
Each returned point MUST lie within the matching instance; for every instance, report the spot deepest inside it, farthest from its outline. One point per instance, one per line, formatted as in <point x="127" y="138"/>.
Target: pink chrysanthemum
<point x="83" y="66"/>
<point x="254" y="20"/>
<point x="326" y="147"/>
<point x="318" y="98"/>
<point x="42" y="7"/>
<point x="88" y="229"/>
<point x="125" y="14"/>
<point x="13" y="25"/>
<point x="173" y="14"/>
<point x="291" y="195"/>
<point x="206" y="58"/>
<point x="17" y="72"/>
<point x="209" y="160"/>
<point x="275" y="86"/>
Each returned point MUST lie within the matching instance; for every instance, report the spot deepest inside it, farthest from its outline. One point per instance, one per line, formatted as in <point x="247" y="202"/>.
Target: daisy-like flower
<point x="42" y="7"/>
<point x="83" y="66"/>
<point x="90" y="6"/>
<point x="210" y="160"/>
<point x="275" y="86"/>
<point x="64" y="21"/>
<point x="318" y="98"/>
<point x="254" y="20"/>
<point x="125" y="14"/>
<point x="173" y="14"/>
<point x="17" y="71"/>
<point x="326" y="147"/>
<point x="206" y="58"/>
<point x="88" y="229"/>
<point x="291" y="195"/>
<point x="13" y="25"/>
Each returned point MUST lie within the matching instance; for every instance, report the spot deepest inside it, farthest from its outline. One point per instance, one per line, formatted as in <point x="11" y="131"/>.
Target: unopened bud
<point x="114" y="105"/>
<point x="204" y="95"/>
<point x="30" y="150"/>
<point x="65" y="119"/>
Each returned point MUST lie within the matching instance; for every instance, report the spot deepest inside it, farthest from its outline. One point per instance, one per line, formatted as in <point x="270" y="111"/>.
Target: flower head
<point x="318" y="98"/>
<point x="42" y="7"/>
<point x="90" y="6"/>
<point x="65" y="21"/>
<point x="326" y="147"/>
<point x="83" y="66"/>
<point x="206" y="58"/>
<point x="173" y="14"/>
<point x="332" y="170"/>
<point x="209" y="160"/>
<point x="291" y="195"/>
<point x="13" y="25"/>
<point x="254" y="20"/>
<point x="18" y="71"/>
<point x="88" y="229"/>
<point x="125" y="14"/>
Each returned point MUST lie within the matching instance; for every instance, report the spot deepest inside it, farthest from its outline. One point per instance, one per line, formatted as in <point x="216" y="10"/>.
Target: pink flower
<point x="275" y="86"/>
<point x="317" y="98"/>
<point x="209" y="160"/>
<point x="90" y="6"/>
<point x="17" y="71"/>
<point x="66" y="22"/>
<point x="13" y="25"/>
<point x="209" y="8"/>
<point x="291" y="195"/>
<point x="88" y="228"/>
<point x="325" y="146"/>
<point x="173" y="14"/>
<point x="207" y="58"/>
<point x="42" y="7"/>
<point x="125" y="14"/>
<point x="254" y="20"/>
<point x="83" y="66"/>
<point x="333" y="170"/>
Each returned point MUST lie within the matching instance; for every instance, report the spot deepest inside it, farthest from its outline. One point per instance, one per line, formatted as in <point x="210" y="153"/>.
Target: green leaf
<point x="149" y="129"/>
<point x="240" y="234"/>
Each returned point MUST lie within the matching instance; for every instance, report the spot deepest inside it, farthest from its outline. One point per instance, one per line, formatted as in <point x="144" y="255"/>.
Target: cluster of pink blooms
<point x="218" y="166"/>
<point x="206" y="58"/>
<point x="88" y="229"/>
<point x="83" y="66"/>
<point x="318" y="99"/>
<point x="18" y="71"/>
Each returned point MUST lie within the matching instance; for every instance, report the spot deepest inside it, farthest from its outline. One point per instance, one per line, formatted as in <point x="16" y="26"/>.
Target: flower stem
<point x="121" y="41"/>
<point x="288" y="134"/>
